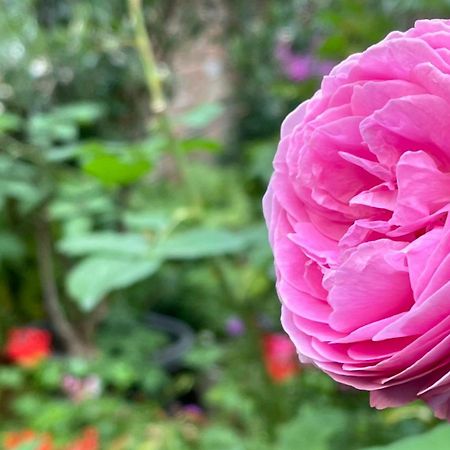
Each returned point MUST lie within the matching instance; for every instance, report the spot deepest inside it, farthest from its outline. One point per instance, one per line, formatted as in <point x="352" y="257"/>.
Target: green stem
<point x="158" y="102"/>
<point x="143" y="44"/>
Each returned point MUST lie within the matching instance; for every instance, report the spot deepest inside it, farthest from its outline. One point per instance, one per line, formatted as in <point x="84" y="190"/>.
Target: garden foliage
<point x="113" y="220"/>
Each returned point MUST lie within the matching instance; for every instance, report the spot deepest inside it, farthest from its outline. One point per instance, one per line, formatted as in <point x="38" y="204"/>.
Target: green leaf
<point x="306" y="430"/>
<point x="114" y="164"/>
<point x="45" y="128"/>
<point x="111" y="170"/>
<point x="104" y="242"/>
<point x="147" y="220"/>
<point x="436" y="439"/>
<point x="120" y="374"/>
<point x="11" y="377"/>
<point x="202" y="357"/>
<point x="196" y="144"/>
<point x="9" y="122"/>
<point x="78" y="366"/>
<point x="96" y="276"/>
<point x="82" y="113"/>
<point x="18" y="180"/>
<point x="62" y="123"/>
<point x="77" y="226"/>
<point x="221" y="438"/>
<point x="153" y="380"/>
<point x="201" y="243"/>
<point x="50" y="374"/>
<point x="154" y="146"/>
<point x="333" y="46"/>
<point x="80" y="196"/>
<point x="61" y="153"/>
<point x="27" y="405"/>
<point x="260" y="155"/>
<point x="11" y="247"/>
<point x="27" y="194"/>
<point x="203" y="115"/>
<point x="34" y="444"/>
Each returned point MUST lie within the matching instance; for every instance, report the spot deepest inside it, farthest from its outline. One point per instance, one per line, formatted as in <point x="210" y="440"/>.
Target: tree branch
<point x="63" y="328"/>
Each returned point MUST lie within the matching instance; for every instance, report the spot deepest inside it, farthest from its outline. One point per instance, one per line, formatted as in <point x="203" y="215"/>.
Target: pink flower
<point x="80" y="389"/>
<point x="357" y="211"/>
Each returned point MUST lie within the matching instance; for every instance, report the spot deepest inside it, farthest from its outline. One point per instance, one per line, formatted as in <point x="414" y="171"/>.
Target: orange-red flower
<point x="88" y="441"/>
<point x="15" y="439"/>
<point x="28" y="346"/>
<point x="280" y="357"/>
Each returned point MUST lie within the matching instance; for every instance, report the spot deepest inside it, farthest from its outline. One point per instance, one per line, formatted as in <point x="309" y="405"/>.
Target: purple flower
<point x="299" y="67"/>
<point x="323" y="67"/>
<point x="192" y="413"/>
<point x="234" y="326"/>
<point x="192" y="408"/>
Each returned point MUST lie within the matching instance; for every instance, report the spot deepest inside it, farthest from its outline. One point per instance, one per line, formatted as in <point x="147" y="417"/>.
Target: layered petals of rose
<point x="357" y="213"/>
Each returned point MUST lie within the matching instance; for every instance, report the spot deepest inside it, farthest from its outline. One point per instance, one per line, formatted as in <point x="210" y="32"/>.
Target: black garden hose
<point x="182" y="336"/>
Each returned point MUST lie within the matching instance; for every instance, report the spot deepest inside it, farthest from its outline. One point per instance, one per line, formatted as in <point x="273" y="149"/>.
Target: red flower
<point x="88" y="441"/>
<point x="28" y="346"/>
<point x="280" y="357"/>
<point x="15" y="440"/>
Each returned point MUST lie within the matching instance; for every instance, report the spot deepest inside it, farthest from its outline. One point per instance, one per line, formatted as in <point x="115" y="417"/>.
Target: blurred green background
<point x="136" y="140"/>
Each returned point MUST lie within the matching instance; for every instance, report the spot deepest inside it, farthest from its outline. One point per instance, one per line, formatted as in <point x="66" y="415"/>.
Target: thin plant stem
<point x="158" y="102"/>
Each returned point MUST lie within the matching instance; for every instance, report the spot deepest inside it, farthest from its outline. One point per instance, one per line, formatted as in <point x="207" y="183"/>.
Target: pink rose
<point x="357" y="211"/>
